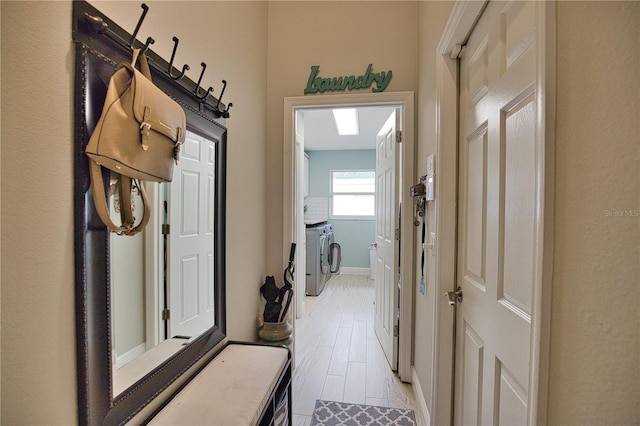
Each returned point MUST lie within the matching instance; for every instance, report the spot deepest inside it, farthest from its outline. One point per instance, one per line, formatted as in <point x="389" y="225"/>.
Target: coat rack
<point x="204" y="98"/>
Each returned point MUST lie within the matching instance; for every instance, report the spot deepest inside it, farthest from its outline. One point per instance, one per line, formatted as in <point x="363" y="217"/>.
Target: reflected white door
<point x="191" y="217"/>
<point x="387" y="204"/>
<point x="500" y="218"/>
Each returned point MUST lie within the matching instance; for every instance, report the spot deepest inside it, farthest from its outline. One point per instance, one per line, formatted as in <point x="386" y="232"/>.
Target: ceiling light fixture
<point x="346" y="121"/>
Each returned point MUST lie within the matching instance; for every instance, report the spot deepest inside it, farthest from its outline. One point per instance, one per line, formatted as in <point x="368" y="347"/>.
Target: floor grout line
<point x="338" y="356"/>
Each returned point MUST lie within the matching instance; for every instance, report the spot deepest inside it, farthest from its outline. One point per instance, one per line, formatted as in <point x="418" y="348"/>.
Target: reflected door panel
<point x="191" y="213"/>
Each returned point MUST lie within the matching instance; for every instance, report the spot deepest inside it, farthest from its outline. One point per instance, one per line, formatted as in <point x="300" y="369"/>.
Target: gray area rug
<point x="330" y="413"/>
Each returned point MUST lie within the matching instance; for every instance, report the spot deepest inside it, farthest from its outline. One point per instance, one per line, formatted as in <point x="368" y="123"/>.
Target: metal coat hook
<point x="145" y="9"/>
<point x="225" y="113"/>
<point x="197" y="91"/>
<point x="146" y="44"/>
<point x="224" y="86"/>
<point x="185" y="67"/>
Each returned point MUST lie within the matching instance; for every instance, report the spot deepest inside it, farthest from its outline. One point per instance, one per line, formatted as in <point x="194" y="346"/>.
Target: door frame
<point x="460" y="24"/>
<point x="293" y="214"/>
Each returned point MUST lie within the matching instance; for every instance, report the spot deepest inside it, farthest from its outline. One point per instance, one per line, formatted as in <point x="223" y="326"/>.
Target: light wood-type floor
<point x="338" y="357"/>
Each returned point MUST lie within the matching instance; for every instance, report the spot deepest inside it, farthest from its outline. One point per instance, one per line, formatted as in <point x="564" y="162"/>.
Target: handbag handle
<point x="97" y="186"/>
<point x="144" y="64"/>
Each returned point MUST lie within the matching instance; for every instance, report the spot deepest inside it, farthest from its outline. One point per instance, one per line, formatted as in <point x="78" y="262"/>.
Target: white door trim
<point x="460" y="24"/>
<point x="290" y="212"/>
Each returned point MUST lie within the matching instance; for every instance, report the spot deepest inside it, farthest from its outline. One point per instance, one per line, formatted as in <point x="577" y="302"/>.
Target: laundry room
<point x="340" y="191"/>
<point x="339" y="356"/>
<point x="348" y="217"/>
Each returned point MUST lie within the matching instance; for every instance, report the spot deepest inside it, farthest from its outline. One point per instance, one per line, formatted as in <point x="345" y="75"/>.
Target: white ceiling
<point x="320" y="133"/>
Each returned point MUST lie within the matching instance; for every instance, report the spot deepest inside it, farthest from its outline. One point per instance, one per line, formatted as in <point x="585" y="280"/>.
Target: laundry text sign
<point x="377" y="81"/>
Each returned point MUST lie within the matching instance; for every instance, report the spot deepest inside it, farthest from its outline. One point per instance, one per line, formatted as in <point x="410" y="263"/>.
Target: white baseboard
<point x="130" y="355"/>
<point x="419" y="395"/>
<point x="346" y="270"/>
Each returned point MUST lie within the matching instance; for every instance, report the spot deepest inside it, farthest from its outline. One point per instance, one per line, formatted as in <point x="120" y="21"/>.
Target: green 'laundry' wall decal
<point x="379" y="81"/>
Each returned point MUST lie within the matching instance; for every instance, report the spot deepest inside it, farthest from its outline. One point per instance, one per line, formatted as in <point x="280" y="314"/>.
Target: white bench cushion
<point x="233" y="389"/>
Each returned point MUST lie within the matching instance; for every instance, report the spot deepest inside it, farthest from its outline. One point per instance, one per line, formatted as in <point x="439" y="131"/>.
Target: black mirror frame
<point x="100" y="45"/>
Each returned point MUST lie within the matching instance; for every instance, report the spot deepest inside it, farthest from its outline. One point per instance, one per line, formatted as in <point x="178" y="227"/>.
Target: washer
<point x="317" y="262"/>
<point x="327" y="259"/>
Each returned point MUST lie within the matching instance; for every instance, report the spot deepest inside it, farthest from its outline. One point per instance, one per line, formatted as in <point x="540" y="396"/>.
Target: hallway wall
<point x="595" y="330"/>
<point x="594" y="375"/>
<point x="433" y="18"/>
<point x="214" y="32"/>
<point x="38" y="321"/>
<point x="342" y="38"/>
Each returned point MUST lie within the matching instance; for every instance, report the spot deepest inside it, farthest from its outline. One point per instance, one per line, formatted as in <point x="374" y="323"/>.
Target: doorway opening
<point x="298" y="123"/>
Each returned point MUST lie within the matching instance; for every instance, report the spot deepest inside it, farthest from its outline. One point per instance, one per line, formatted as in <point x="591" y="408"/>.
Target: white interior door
<point x="191" y="239"/>
<point x="499" y="218"/>
<point x="387" y="222"/>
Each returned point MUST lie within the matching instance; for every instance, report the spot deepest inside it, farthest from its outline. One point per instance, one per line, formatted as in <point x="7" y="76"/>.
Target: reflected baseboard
<point x="129" y="356"/>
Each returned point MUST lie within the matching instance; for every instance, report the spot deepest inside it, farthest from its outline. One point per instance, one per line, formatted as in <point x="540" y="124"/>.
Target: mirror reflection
<point x="162" y="280"/>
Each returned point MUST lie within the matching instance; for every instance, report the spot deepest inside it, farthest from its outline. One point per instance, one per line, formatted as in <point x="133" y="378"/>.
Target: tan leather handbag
<point x="138" y="136"/>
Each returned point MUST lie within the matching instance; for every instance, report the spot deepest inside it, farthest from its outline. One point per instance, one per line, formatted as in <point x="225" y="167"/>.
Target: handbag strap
<point x="144" y="64"/>
<point x="145" y="206"/>
<point x="124" y="191"/>
<point x="97" y="186"/>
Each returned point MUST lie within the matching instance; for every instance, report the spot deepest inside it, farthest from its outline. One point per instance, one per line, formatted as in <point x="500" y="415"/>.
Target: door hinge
<point x="457" y="51"/>
<point x="454" y="297"/>
<point x="395" y="331"/>
<point x="397" y="234"/>
<point x="399" y="136"/>
<point x="166" y="315"/>
<point x="165" y="229"/>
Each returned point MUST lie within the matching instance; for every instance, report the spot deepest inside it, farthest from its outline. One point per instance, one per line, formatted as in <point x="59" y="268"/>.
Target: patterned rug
<point x="330" y="413"/>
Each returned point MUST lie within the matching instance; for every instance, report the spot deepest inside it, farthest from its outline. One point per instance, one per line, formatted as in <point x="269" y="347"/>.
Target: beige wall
<point x="595" y="353"/>
<point x="214" y="32"/>
<point x="595" y="326"/>
<point x="433" y="18"/>
<point x="38" y="322"/>
<point x="342" y="38"/>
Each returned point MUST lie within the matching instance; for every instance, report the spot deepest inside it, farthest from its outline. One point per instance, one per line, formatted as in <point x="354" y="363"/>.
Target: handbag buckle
<point x="178" y="144"/>
<point x="144" y="131"/>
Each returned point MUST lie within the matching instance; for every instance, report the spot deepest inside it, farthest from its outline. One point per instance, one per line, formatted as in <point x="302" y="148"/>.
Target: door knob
<point x="454" y="297"/>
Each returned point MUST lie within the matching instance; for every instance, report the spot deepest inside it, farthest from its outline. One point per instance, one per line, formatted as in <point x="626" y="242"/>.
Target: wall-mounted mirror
<point x="148" y="307"/>
<point x="162" y="280"/>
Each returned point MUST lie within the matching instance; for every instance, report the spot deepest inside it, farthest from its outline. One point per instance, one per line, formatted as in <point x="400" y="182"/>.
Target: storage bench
<point x="244" y="384"/>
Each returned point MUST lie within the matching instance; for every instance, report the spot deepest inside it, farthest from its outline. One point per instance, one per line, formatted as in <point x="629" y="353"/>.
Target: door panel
<point x="499" y="226"/>
<point x="386" y="303"/>
<point x="191" y="237"/>
<point x="471" y="376"/>
<point x="476" y="212"/>
<point x="519" y="193"/>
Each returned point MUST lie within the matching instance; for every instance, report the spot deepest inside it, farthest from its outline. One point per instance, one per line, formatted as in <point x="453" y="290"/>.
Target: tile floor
<point x="338" y="357"/>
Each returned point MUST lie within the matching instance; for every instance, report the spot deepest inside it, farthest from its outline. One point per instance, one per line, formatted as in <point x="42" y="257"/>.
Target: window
<point x="353" y="194"/>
